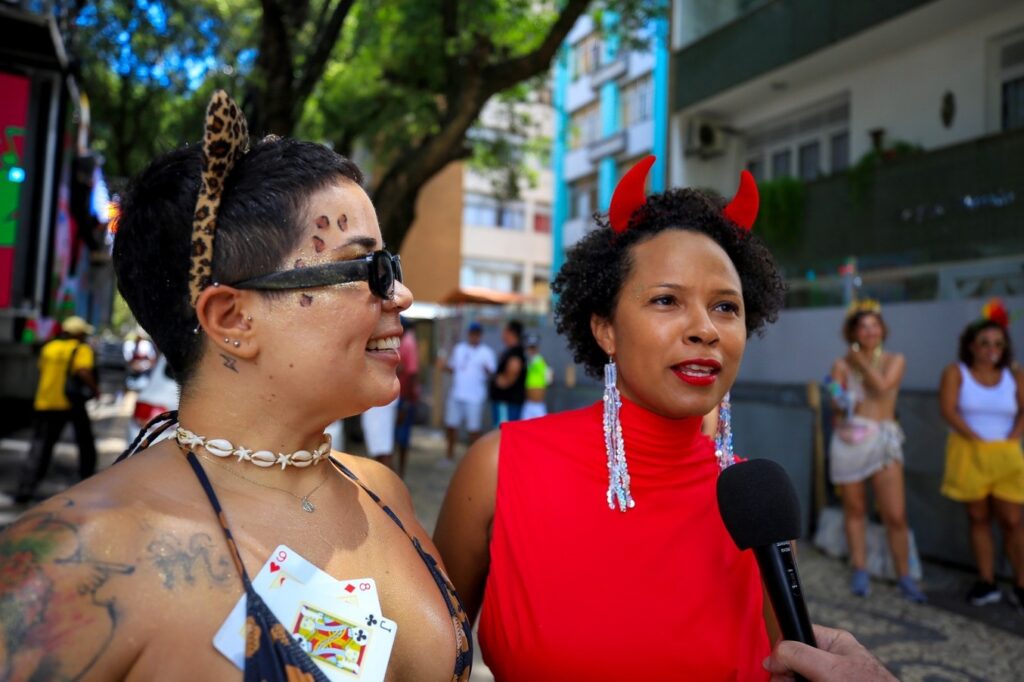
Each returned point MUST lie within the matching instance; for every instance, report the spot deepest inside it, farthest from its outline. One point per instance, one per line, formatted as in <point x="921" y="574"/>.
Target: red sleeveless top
<point x="578" y="591"/>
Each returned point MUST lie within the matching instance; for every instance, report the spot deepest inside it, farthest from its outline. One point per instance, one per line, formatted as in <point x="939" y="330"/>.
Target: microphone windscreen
<point x="758" y="503"/>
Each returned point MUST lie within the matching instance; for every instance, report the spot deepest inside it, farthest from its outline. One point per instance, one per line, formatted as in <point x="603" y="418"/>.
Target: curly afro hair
<point x="591" y="278"/>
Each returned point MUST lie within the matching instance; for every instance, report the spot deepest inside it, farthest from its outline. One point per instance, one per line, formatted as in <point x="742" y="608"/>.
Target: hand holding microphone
<point x="839" y="658"/>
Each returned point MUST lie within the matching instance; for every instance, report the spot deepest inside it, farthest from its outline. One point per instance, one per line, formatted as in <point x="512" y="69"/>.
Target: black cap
<point x="758" y="503"/>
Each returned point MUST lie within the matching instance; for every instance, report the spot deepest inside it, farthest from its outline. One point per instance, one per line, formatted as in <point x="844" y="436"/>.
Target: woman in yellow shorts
<point x="982" y="397"/>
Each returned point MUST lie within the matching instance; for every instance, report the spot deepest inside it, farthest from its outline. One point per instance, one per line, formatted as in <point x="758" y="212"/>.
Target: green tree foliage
<point x="143" y="65"/>
<point x="397" y="84"/>
<point x="780" y="217"/>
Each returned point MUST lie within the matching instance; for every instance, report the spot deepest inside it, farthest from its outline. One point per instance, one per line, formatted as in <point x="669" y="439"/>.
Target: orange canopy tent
<point x="482" y="295"/>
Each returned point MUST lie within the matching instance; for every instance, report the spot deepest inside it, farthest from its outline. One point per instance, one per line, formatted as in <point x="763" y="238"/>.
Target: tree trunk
<point x="478" y="79"/>
<point x="273" y="106"/>
<point x="281" y="92"/>
<point x="396" y="193"/>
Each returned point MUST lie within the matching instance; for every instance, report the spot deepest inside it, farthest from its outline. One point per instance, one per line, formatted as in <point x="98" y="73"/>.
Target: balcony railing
<point x="609" y="145"/>
<point x="769" y="36"/>
<point x="959" y="203"/>
<point x="607" y="72"/>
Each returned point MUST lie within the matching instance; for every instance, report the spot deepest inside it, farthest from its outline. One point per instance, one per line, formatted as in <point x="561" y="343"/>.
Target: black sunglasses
<point x="380" y="269"/>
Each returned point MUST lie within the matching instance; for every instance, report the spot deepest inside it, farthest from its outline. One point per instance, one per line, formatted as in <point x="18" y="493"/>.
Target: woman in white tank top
<point x="982" y="400"/>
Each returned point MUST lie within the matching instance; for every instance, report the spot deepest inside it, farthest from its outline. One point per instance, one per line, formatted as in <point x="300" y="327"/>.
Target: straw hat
<point x="75" y="325"/>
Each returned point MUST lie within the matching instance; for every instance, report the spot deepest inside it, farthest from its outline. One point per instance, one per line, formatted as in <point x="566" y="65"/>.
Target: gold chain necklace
<point x="307" y="504"/>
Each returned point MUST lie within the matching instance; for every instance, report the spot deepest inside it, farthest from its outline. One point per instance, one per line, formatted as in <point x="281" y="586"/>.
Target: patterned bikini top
<point x="271" y="655"/>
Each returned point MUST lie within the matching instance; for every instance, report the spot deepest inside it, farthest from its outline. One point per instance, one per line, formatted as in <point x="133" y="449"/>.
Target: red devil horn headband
<point x="629" y="196"/>
<point x="742" y="210"/>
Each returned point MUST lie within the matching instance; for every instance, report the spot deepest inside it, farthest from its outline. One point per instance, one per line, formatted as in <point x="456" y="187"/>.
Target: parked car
<point x="158" y="396"/>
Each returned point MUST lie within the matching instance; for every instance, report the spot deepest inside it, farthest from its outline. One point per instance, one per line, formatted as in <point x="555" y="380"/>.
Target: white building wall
<point x="895" y="76"/>
<point x="802" y="345"/>
<point x="583" y="27"/>
<point x="504" y="250"/>
<point x="639" y="138"/>
<point x="581" y="93"/>
<point x="639" y="64"/>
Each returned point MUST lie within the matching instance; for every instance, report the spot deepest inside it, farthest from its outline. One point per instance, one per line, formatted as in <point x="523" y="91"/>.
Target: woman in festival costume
<point x="867" y="444"/>
<point x="260" y="273"/>
<point x="590" y="541"/>
<point x="982" y="400"/>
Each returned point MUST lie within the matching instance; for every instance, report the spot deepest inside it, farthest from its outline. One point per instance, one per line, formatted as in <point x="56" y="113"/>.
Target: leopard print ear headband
<point x="225" y="141"/>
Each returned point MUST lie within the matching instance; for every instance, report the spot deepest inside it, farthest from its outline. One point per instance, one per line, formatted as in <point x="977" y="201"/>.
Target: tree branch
<point x="450" y="33"/>
<point x="504" y="75"/>
<point x="321" y="19"/>
<point x="316" y="62"/>
<point x="276" y="61"/>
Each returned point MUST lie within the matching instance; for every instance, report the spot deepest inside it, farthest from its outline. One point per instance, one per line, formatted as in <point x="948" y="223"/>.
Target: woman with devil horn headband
<point x="572" y="534"/>
<point x="553" y="527"/>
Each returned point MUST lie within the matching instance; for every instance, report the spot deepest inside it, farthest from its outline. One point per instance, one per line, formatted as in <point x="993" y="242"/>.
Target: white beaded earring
<point x="618" y="473"/>
<point x="723" y="436"/>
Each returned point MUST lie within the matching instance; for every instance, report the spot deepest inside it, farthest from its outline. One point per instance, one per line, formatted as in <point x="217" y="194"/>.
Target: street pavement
<point x="944" y="640"/>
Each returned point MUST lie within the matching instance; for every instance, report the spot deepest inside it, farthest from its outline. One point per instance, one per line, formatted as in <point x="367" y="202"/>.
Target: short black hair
<point x="259" y="222"/>
<point x="971" y="332"/>
<point x="516" y="327"/>
<point x="851" y="322"/>
<point x="591" y="279"/>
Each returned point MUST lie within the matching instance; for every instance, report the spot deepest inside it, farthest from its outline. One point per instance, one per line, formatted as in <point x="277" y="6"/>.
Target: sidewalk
<point x="946" y="639"/>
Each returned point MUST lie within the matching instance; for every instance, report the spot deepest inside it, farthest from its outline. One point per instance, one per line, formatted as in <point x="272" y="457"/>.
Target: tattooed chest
<point x="197" y="560"/>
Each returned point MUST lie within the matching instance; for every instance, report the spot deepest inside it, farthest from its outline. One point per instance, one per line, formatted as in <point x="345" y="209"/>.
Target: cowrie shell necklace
<point x="221" y="447"/>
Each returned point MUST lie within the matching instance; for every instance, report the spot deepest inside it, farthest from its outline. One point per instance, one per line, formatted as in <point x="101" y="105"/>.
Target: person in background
<point x="409" y="396"/>
<point x="982" y="400"/>
<point x="470" y="363"/>
<point x="140" y="357"/>
<point x="508" y="385"/>
<point x="378" y="424"/>
<point x="67" y="355"/>
<point x="867" y="444"/>
<point x="538" y="378"/>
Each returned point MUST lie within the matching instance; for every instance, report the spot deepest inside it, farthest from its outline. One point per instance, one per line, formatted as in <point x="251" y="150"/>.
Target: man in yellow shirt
<point x="65" y="356"/>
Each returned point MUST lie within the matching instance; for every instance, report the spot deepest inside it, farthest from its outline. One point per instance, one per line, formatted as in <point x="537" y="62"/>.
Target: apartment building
<point x="477" y="240"/>
<point x="892" y="133"/>
<point x="611" y="107"/>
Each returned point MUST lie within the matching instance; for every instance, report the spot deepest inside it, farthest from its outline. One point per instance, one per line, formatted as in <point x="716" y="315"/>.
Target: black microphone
<point x="761" y="511"/>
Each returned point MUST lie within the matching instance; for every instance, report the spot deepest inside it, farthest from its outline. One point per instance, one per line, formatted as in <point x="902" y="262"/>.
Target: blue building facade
<point x="611" y="109"/>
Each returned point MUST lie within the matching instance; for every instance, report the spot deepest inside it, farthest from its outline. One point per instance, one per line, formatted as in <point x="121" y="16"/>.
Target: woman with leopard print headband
<point x="260" y="272"/>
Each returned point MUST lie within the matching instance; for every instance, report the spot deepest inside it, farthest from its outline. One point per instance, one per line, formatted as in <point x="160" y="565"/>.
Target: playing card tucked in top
<point x="337" y="622"/>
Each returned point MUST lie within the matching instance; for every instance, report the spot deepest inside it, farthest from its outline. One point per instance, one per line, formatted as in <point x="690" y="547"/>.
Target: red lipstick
<point x="698" y="372"/>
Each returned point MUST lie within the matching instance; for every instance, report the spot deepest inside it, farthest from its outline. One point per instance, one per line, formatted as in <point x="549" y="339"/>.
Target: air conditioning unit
<point x="705" y="138"/>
